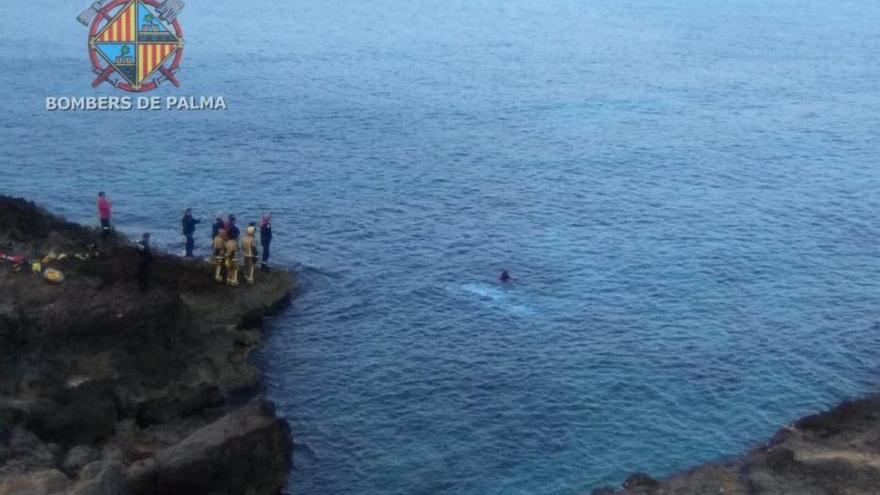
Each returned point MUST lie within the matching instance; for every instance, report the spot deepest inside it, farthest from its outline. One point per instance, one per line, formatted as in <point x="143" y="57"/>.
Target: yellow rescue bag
<point x="53" y="276"/>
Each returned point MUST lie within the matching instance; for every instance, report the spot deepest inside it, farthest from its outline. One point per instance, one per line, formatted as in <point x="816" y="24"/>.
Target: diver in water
<point x="505" y="277"/>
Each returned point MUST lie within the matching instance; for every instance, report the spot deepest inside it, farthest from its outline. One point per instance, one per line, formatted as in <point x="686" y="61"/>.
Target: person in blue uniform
<point x="189" y="228"/>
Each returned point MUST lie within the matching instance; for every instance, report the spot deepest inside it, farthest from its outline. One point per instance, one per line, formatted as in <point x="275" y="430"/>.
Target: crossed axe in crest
<point x="168" y="12"/>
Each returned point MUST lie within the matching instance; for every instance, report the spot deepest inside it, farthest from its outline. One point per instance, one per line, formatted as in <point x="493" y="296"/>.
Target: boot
<point x="218" y="272"/>
<point x="232" y="274"/>
<point x="249" y="272"/>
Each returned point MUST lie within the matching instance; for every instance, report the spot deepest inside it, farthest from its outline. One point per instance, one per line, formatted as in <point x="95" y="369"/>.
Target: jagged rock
<point x="640" y="480"/>
<point x="78" y="457"/>
<point x="779" y="459"/>
<point x="112" y="453"/>
<point x="24" y="451"/>
<point x="837" y="451"/>
<point x="244" y="451"/>
<point x="44" y="482"/>
<point x="101" y="478"/>
<point x="23" y="442"/>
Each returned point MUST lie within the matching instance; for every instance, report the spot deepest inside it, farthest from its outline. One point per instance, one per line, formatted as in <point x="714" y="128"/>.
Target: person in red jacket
<point x="104" y="207"/>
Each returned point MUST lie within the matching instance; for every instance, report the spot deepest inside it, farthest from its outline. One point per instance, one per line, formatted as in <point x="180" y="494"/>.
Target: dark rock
<point x="244" y="450"/>
<point x="85" y="414"/>
<point x="41" y="482"/>
<point x="640" y="480"/>
<point x="24" y="451"/>
<point x="78" y="457"/>
<point x="251" y="319"/>
<point x="835" y="452"/>
<point x="782" y="435"/>
<point x="780" y="459"/>
<point x="101" y="478"/>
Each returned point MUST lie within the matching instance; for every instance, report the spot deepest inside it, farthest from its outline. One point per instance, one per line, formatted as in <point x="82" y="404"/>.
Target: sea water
<point x="686" y="193"/>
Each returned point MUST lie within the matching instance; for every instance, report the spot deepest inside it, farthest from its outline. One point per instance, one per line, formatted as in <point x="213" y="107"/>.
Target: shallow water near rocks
<point x="687" y="196"/>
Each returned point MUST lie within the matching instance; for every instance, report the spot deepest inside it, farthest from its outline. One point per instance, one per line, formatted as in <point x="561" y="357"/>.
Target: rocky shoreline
<point x="108" y="390"/>
<point x="105" y="389"/>
<point x="836" y="452"/>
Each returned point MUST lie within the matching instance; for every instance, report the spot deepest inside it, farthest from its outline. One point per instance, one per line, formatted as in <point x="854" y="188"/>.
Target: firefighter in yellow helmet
<point x="219" y="255"/>
<point x="249" y="250"/>
<point x="231" y="253"/>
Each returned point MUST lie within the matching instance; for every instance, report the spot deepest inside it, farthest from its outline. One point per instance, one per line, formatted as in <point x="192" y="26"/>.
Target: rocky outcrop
<point x="229" y="455"/>
<point x="107" y="389"/>
<point x="835" y="452"/>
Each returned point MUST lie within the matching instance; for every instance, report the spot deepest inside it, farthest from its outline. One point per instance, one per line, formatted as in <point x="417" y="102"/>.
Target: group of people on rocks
<point x="225" y="236"/>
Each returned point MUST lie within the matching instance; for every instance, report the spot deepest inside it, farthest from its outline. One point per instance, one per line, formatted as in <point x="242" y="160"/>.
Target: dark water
<point x="687" y="193"/>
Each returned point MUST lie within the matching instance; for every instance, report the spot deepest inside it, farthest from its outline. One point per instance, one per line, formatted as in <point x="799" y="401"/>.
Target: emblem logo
<point x="134" y="45"/>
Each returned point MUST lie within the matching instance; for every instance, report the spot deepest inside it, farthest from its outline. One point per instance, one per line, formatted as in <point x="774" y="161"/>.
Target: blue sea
<point x="686" y="193"/>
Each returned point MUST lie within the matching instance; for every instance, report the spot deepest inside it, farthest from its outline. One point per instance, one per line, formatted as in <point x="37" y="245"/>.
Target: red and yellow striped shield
<point x="150" y="56"/>
<point x="122" y="28"/>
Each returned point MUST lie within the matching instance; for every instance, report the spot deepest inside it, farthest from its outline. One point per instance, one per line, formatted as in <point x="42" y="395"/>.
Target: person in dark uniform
<point x="219" y="224"/>
<point x="232" y="231"/>
<point x="189" y="228"/>
<point x="505" y="277"/>
<point x="266" y="240"/>
<point x="145" y="262"/>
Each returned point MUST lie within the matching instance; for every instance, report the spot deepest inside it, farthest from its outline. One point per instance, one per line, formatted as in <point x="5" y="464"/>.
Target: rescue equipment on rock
<point x="53" y="276"/>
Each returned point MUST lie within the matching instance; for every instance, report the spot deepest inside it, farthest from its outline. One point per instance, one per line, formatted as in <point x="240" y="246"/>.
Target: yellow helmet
<point x="37" y="267"/>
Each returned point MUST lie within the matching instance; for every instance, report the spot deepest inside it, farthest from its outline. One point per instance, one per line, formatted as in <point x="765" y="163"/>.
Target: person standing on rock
<point x="189" y="228"/>
<point x="249" y="250"/>
<point x="266" y="240"/>
<point x="145" y="262"/>
<point x="231" y="255"/>
<point x="219" y="246"/>
<point x="104" y="213"/>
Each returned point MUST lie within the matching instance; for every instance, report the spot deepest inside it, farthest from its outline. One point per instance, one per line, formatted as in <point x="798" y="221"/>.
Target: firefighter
<point x="219" y="255"/>
<point x="249" y="250"/>
<point x="231" y="253"/>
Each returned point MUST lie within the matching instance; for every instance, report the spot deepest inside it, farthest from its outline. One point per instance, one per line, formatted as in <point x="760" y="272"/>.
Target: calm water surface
<point x="687" y="193"/>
